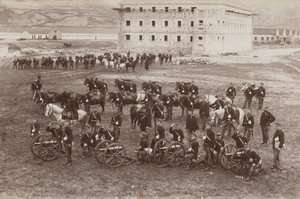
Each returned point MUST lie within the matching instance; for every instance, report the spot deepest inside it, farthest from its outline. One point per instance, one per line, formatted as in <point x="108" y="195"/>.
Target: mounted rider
<point x="218" y="104"/>
<point x="70" y="111"/>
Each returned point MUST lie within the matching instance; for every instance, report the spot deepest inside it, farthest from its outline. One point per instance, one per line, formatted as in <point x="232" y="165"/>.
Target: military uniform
<point x="240" y="141"/>
<point x="177" y="134"/>
<point x="209" y="146"/>
<point x="277" y="145"/>
<point x="261" y="93"/>
<point x="231" y="93"/>
<point x="249" y="94"/>
<point x="204" y="114"/>
<point x="67" y="141"/>
<point x="169" y="107"/>
<point x="35" y="129"/>
<point x="248" y="124"/>
<point x="159" y="134"/>
<point x="116" y="121"/>
<point x="70" y="111"/>
<point x="158" y="110"/>
<point x="191" y="125"/>
<point x="265" y="120"/>
<point x="229" y="116"/>
<point x="218" y="104"/>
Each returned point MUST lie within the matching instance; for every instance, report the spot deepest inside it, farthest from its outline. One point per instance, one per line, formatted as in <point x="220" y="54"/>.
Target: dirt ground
<point x="22" y="177"/>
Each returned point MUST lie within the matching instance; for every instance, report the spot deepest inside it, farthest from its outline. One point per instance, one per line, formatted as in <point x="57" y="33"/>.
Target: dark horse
<point x="88" y="100"/>
<point x="96" y="84"/>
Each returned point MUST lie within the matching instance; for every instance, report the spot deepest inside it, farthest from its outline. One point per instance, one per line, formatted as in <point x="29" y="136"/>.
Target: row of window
<point x="166" y="38"/>
<point x="166" y="9"/>
<point x="166" y="23"/>
<point x="200" y="38"/>
<point x="262" y="38"/>
<point x="179" y="24"/>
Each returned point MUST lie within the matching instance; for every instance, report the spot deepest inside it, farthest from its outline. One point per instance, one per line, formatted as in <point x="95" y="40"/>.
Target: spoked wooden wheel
<point x="239" y="164"/>
<point x="225" y="156"/>
<point x="45" y="147"/>
<point x="160" y="147"/>
<point x="175" y="154"/>
<point x="114" y="155"/>
<point x="100" y="149"/>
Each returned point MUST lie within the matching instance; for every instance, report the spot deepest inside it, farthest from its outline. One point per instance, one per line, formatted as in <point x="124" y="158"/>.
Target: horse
<point x="89" y="100"/>
<point x="220" y="114"/>
<point x="211" y="99"/>
<point x="140" y="114"/>
<point x="56" y="112"/>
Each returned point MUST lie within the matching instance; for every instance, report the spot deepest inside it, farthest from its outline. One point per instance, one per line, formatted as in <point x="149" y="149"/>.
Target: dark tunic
<point x="177" y="134"/>
<point x="278" y="137"/>
<point x="240" y="141"/>
<point x="231" y="92"/>
<point x="266" y="118"/>
<point x="248" y="121"/>
<point x="209" y="140"/>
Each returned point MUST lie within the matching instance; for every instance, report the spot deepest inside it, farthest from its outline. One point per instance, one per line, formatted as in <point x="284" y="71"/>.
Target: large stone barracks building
<point x="186" y="27"/>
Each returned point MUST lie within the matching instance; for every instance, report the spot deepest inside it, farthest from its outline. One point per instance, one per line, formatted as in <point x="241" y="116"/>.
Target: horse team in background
<point x="89" y="61"/>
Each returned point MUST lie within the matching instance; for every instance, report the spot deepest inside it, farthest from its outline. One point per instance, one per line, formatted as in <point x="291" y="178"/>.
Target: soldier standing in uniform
<point x="229" y="116"/>
<point x="191" y="124"/>
<point x="265" y="119"/>
<point x="204" y="114"/>
<point x="277" y="145"/>
<point x="67" y="141"/>
<point x="36" y="85"/>
<point x="261" y="93"/>
<point x="158" y="110"/>
<point x="116" y="121"/>
<point x="209" y="146"/>
<point x="231" y="92"/>
<point x="248" y="124"/>
<point x="169" y="106"/>
<point x="249" y="93"/>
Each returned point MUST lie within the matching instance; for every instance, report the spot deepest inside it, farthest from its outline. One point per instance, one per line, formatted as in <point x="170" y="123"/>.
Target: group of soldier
<point x="213" y="142"/>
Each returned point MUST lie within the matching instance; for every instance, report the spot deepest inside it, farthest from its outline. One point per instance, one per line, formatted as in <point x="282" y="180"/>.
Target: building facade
<point x="186" y="27"/>
<point x="275" y="36"/>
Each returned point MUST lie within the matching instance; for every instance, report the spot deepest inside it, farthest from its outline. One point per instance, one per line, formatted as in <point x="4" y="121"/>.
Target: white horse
<point x="217" y="115"/>
<point x="56" y="111"/>
<point x="108" y="64"/>
<point x="212" y="99"/>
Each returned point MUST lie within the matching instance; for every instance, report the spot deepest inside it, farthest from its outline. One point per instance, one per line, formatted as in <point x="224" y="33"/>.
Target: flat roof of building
<point x="181" y="2"/>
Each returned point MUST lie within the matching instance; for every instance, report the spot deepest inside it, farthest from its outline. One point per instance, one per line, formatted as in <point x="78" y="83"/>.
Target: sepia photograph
<point x="150" y="99"/>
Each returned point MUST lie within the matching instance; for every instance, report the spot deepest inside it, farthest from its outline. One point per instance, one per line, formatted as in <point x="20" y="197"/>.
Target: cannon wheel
<point x="36" y="148"/>
<point x="99" y="150"/>
<point x="159" y="154"/>
<point x="239" y="166"/>
<point x="114" y="155"/>
<point x="225" y="156"/>
<point x="175" y="154"/>
<point x="45" y="151"/>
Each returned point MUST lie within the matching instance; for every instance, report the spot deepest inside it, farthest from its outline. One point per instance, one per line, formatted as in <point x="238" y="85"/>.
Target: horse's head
<point x="48" y="110"/>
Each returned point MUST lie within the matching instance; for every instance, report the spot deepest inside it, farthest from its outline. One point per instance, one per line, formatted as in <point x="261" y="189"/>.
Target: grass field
<point x="21" y="177"/>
